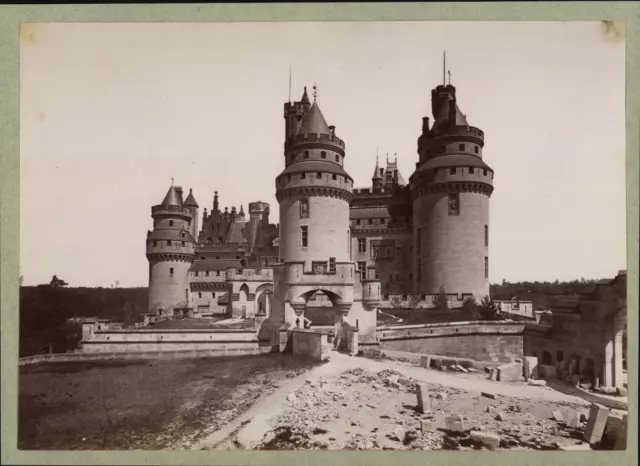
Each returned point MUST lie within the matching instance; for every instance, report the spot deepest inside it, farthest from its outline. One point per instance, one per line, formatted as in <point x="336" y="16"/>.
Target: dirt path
<point x="250" y="429"/>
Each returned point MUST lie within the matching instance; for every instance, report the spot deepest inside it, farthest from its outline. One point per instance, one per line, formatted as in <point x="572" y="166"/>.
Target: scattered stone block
<point x="579" y="447"/>
<point x="621" y="391"/>
<point x="511" y="372"/>
<point x="425" y="361"/>
<point x="404" y="381"/>
<point x="492" y="373"/>
<point x="547" y="371"/>
<point x="441" y="395"/>
<point x="620" y="442"/>
<point x="490" y="409"/>
<point x="500" y="416"/>
<point x="471" y="369"/>
<point x="461" y="369"/>
<point x="455" y="423"/>
<point x="395" y="385"/>
<point x="424" y="402"/>
<point x="488" y="395"/>
<point x="557" y="415"/>
<point x="538" y="383"/>
<point x="615" y="428"/>
<point x="487" y="439"/>
<point x="392" y="379"/>
<point x="400" y="433"/>
<point x="595" y="425"/>
<point x="571" y="418"/>
<point x="425" y="426"/>
<point x="437" y="363"/>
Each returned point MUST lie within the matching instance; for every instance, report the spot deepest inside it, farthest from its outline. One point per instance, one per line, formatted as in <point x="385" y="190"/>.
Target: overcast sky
<point x="110" y="112"/>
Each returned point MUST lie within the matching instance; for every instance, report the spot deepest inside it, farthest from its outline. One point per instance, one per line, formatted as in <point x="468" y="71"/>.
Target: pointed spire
<point x="444" y="67"/>
<point x="377" y="173"/>
<point x="305" y="97"/>
<point x="215" y="202"/>
<point x="315" y="93"/>
<point x="241" y="213"/>
<point x="449" y="76"/>
<point x="190" y="201"/>
<point x="313" y="122"/>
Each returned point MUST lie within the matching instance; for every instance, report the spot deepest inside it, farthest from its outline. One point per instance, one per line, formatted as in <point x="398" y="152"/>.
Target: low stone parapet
<point x="310" y="343"/>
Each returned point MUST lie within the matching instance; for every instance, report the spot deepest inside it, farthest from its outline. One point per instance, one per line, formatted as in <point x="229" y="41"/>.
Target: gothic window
<point x="419" y="269"/>
<point x="370" y="221"/>
<point x="323" y="154"/>
<point x="206" y="274"/>
<point x="454" y="204"/>
<point x="362" y="269"/>
<point x="486" y="267"/>
<point x="305" y="235"/>
<point x="213" y="295"/>
<point x="155" y="243"/>
<point x="362" y="245"/>
<point x="358" y="222"/>
<point x="196" y="273"/>
<point x="332" y="265"/>
<point x="486" y="235"/>
<point x="419" y="241"/>
<point x="304" y="208"/>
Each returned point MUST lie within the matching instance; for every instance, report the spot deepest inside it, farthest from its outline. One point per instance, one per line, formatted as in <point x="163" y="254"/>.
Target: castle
<point x="355" y="245"/>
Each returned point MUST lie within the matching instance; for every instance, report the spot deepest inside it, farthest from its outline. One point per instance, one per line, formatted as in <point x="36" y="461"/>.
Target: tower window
<point x="217" y="273"/>
<point x="443" y="149"/>
<point x="460" y="146"/>
<point x="170" y="223"/>
<point x="486" y="235"/>
<point x="303" y="175"/>
<point x="358" y="222"/>
<point x="471" y="170"/>
<point x="168" y="242"/>
<point x="171" y="271"/>
<point x="213" y="295"/>
<point x="306" y="154"/>
<point x="155" y="243"/>
<point x="304" y="208"/>
<point x="206" y="274"/>
<point x="452" y="171"/>
<point x="305" y="235"/>
<point x="419" y="269"/>
<point x="319" y="175"/>
<point x="199" y="295"/>
<point x="337" y="158"/>
<point x="476" y="149"/>
<point x="334" y="176"/>
<point x="362" y="244"/>
<point x="454" y="204"/>
<point x="362" y="269"/>
<point x="196" y="273"/>
<point x="486" y="266"/>
<point x="419" y="241"/>
<point x="484" y="172"/>
<point x="289" y="178"/>
<point x="182" y="244"/>
<point x="323" y="154"/>
<point x="370" y="221"/>
<point x="332" y="265"/>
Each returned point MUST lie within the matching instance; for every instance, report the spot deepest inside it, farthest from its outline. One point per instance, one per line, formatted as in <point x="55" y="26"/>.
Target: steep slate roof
<point x="172" y="198"/>
<point x="443" y="116"/>
<point x="313" y="122"/>
<point x="376" y="172"/>
<point x="190" y="201"/>
<point x="305" y="97"/>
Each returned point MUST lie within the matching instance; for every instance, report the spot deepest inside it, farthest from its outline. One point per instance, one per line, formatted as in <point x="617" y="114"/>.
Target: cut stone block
<point x="615" y="429"/>
<point x="571" y="418"/>
<point x="620" y="442"/>
<point x="455" y="423"/>
<point x="404" y="381"/>
<point x="424" y="402"/>
<point x="511" y="372"/>
<point x="488" y="395"/>
<point x="595" y="425"/>
<point x="538" y="383"/>
<point x="547" y="371"/>
<point x="487" y="439"/>
<point x="580" y="447"/>
<point x="425" y="361"/>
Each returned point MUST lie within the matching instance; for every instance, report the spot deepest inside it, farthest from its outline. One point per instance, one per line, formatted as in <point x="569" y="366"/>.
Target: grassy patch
<point x="141" y="404"/>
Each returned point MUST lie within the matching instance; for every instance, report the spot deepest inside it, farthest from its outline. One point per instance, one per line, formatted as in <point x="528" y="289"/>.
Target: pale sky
<point x="110" y="112"/>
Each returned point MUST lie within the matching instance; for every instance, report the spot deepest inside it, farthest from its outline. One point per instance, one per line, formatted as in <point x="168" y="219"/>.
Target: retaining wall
<point x="499" y="341"/>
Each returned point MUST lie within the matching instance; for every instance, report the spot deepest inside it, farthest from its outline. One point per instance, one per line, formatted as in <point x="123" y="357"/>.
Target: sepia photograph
<point x="384" y="235"/>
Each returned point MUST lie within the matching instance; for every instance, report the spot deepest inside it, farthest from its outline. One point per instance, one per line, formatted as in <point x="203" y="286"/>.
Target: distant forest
<point x="44" y="309"/>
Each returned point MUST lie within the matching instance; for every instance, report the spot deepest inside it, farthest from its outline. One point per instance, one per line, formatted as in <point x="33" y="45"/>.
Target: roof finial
<point x="315" y="92"/>
<point x="444" y="67"/>
<point x="172" y="181"/>
<point x="449" y="76"/>
<point x="387" y="157"/>
<point x="396" y="154"/>
<point x="289" y="83"/>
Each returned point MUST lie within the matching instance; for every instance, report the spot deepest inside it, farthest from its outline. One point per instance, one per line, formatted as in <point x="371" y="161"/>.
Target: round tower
<point x="313" y="193"/>
<point x="192" y="205"/>
<point x="170" y="251"/>
<point x="450" y="189"/>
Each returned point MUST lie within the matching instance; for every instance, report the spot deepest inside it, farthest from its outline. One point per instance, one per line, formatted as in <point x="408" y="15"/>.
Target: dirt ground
<point x="359" y="409"/>
<point x="160" y="404"/>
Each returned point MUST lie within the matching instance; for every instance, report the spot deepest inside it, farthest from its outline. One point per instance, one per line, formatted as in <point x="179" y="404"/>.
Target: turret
<point x="216" y="207"/>
<point x="257" y="211"/>
<point x="170" y="251"/>
<point x="376" y="180"/>
<point x="191" y="203"/>
<point x="450" y="188"/>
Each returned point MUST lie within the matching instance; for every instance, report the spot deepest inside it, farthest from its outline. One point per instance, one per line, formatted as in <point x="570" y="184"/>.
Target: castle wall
<point x="453" y="247"/>
<point x="328" y="227"/>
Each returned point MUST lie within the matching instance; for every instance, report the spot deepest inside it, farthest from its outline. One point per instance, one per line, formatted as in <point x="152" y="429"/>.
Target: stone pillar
<point x="607" y="369"/>
<point x="267" y="305"/>
<point x="617" y="360"/>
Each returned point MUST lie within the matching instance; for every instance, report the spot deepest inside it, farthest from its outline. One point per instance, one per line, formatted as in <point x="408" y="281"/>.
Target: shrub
<point x="489" y="310"/>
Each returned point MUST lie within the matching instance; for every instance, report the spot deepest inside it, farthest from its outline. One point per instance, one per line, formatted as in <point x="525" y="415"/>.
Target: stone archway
<point x="243" y="299"/>
<point x="264" y="299"/>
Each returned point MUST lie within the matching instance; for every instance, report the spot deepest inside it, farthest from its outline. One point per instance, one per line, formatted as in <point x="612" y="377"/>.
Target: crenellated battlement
<point x="171" y="211"/>
<point x="315" y="138"/>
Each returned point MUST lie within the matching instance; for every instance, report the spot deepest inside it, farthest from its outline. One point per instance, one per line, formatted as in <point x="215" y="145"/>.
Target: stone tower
<point x="313" y="192"/>
<point x="192" y="205"/>
<point x="170" y="251"/>
<point x="450" y="189"/>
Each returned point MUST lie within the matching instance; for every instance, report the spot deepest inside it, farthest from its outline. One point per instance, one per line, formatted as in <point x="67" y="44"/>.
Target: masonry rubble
<point x="594" y="430"/>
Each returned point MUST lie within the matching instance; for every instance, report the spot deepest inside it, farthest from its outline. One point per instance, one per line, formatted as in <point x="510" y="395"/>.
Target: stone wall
<point x="310" y="343"/>
<point x="481" y="341"/>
